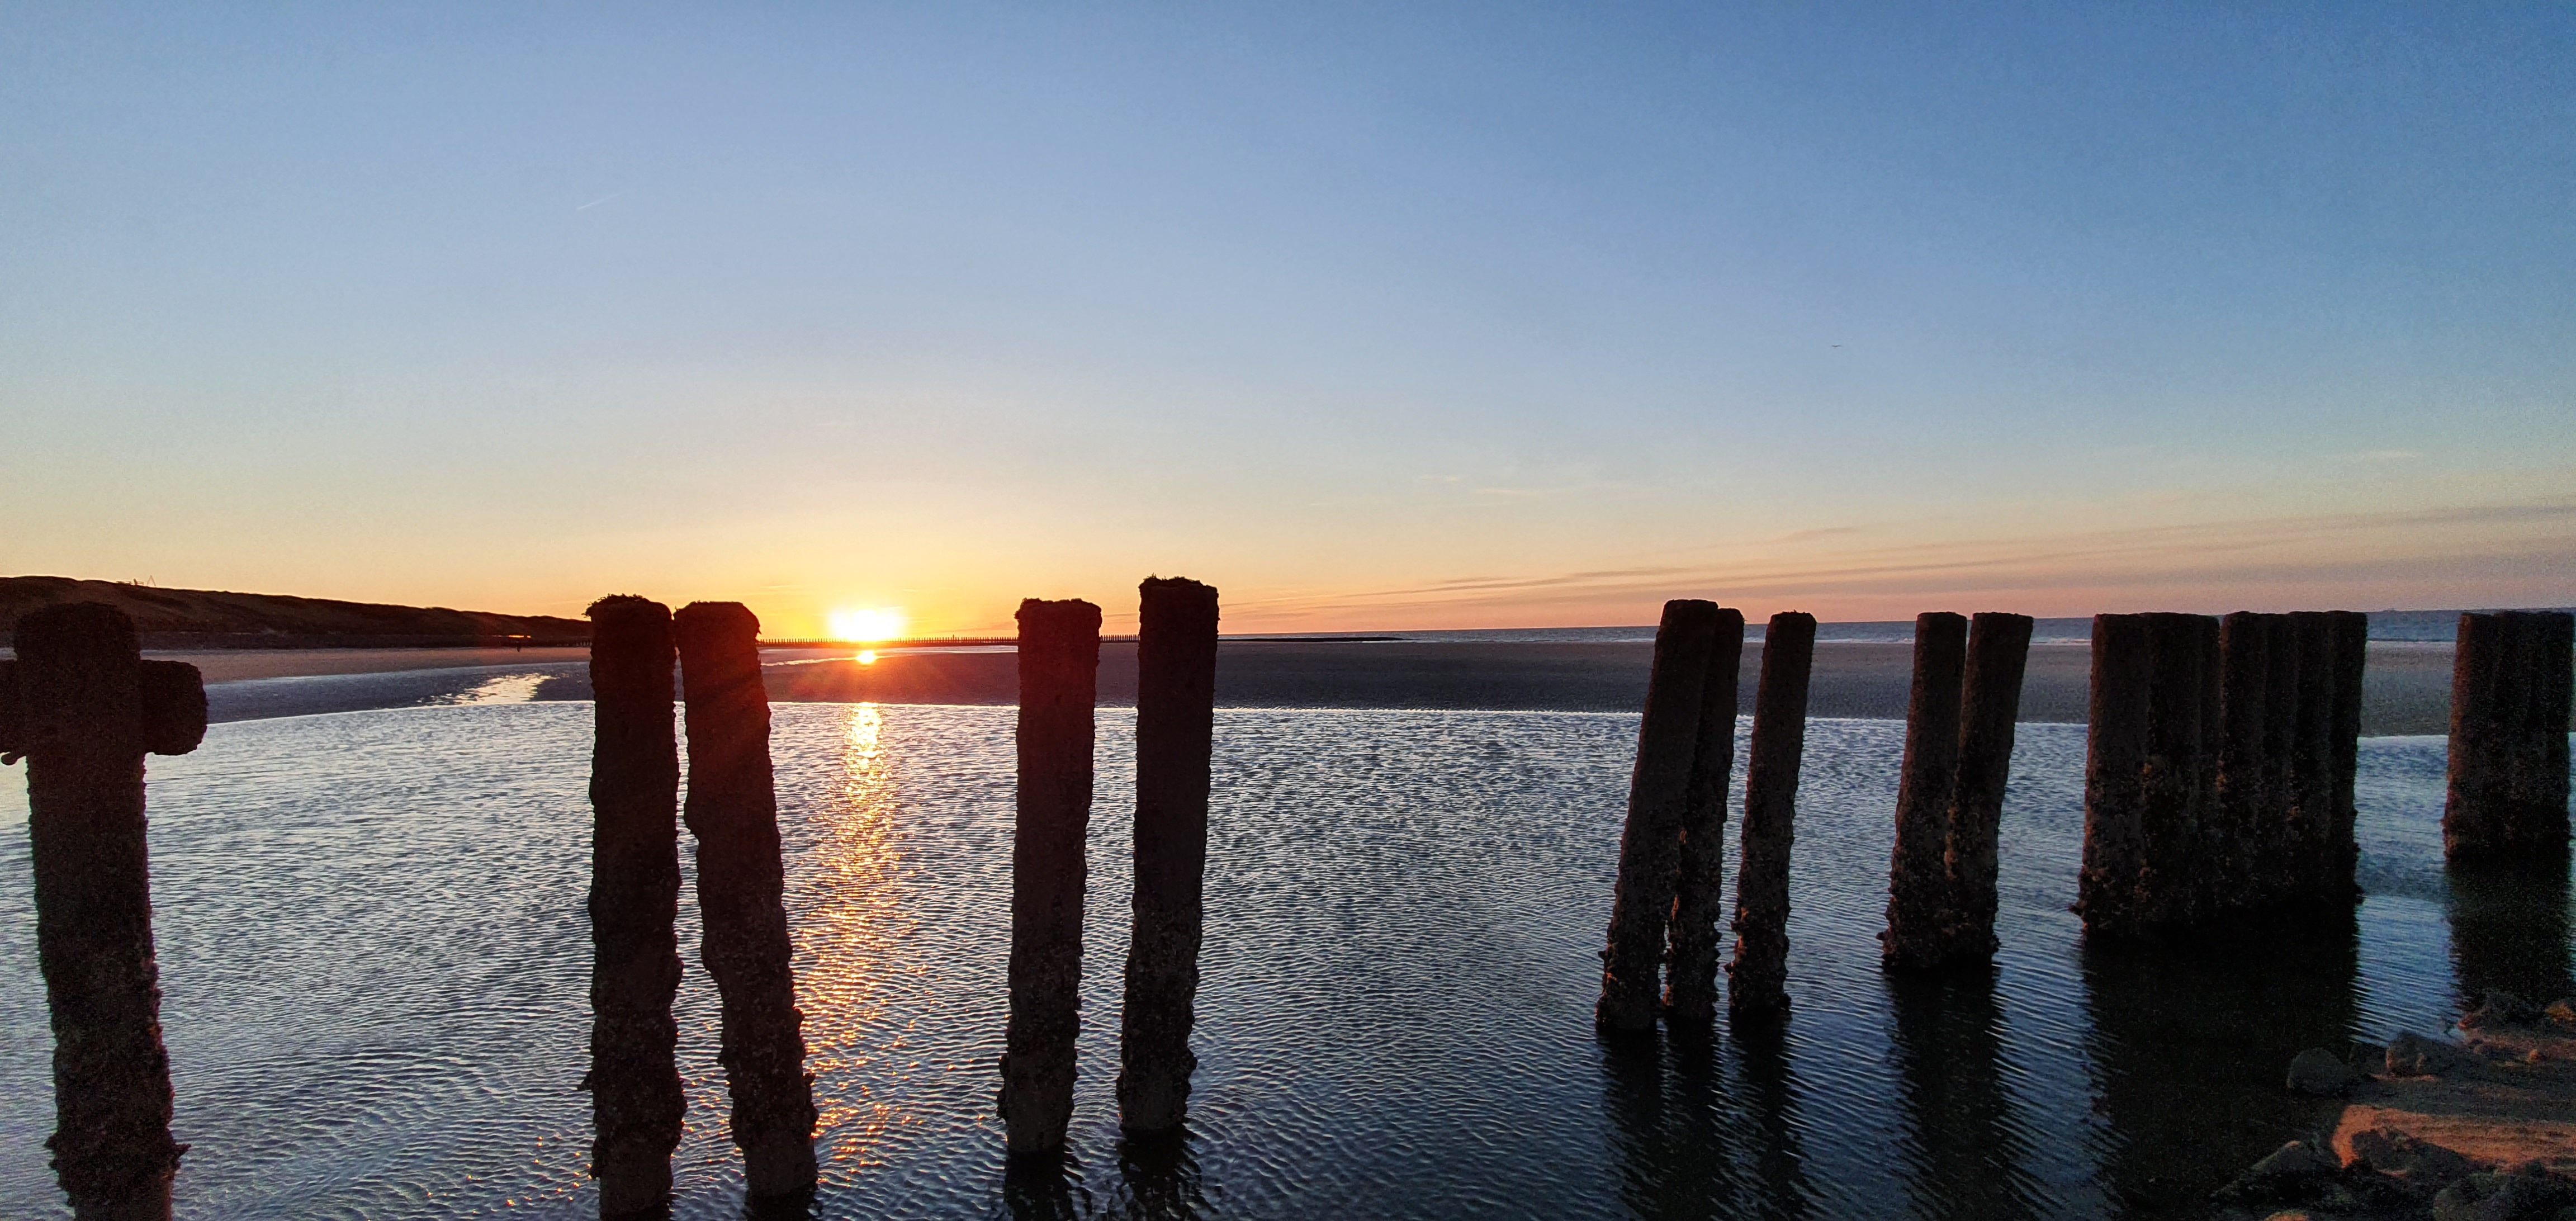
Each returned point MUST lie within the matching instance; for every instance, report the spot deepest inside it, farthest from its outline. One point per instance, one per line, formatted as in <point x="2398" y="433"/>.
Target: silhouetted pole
<point x="84" y="707"/>
<point x="2509" y="713"/>
<point x="2541" y="787"/>
<point x="635" y="1095"/>
<point x="1658" y="792"/>
<point x="733" y="811"/>
<point x="2312" y="757"/>
<point x="1917" y="879"/>
<point x="2183" y="657"/>
<point x="1059" y="683"/>
<point x="1690" y="968"/>
<point x="1175" y="735"/>
<point x="2350" y="633"/>
<point x="2115" y="758"/>
<point x="1998" y="651"/>
<point x="1757" y="981"/>
<point x="2244" y="807"/>
<point x="2284" y="852"/>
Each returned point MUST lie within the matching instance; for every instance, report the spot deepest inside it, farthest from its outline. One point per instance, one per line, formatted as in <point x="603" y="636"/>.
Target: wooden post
<point x="635" y="1094"/>
<point x="2280" y="826"/>
<point x="1175" y="737"/>
<point x="1757" y="981"/>
<point x="1658" y="791"/>
<point x="732" y="809"/>
<point x="2243" y="805"/>
<point x="84" y="707"/>
<point x="1690" y="971"/>
<point x="1059" y="684"/>
<point x="1917" y="879"/>
<point x="2349" y="632"/>
<point x="2175" y="781"/>
<point x="2115" y="758"/>
<point x="1998" y="651"/>
<point x="2540" y="783"/>
<point x="2312" y="756"/>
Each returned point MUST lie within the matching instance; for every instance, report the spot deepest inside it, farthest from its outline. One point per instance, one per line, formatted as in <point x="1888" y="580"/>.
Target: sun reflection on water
<point x="849" y="941"/>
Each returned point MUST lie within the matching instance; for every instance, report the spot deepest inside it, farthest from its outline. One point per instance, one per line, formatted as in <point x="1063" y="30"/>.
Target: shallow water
<point x="375" y="958"/>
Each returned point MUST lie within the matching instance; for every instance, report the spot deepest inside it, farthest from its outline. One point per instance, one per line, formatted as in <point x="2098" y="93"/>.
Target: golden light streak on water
<point x="846" y="945"/>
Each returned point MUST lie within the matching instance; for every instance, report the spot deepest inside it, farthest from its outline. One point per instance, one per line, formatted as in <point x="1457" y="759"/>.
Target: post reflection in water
<point x="2509" y="931"/>
<point x="1969" y="1152"/>
<point x="847" y="942"/>
<point x="1694" y="1144"/>
<point x="2179" y="1027"/>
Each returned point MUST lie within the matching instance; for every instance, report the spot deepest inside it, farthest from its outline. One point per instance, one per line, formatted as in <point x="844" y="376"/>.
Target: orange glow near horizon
<point x="867" y="625"/>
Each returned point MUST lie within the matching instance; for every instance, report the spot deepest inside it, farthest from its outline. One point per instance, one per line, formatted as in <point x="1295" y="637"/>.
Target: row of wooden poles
<point x="2219" y="776"/>
<point x="83" y="707"/>
<point x="2220" y="764"/>
<point x="732" y="809"/>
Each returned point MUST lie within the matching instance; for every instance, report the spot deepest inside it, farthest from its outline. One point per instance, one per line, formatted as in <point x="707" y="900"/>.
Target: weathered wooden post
<point x="1917" y="878"/>
<point x="1059" y="683"/>
<point x="1757" y="981"/>
<point x="1690" y="968"/>
<point x="2280" y="826"/>
<point x="1658" y="792"/>
<point x="2115" y="756"/>
<point x="1998" y="652"/>
<point x="2349" y="632"/>
<point x="732" y="809"/>
<point x="2509" y="714"/>
<point x="2243" y="806"/>
<point x="2312" y="754"/>
<point x="635" y="1094"/>
<point x="1175" y="737"/>
<point x="83" y="707"/>
<point x="2182" y="656"/>
<point x="2540" y="787"/>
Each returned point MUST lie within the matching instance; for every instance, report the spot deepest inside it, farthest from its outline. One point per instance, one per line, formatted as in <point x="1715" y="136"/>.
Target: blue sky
<point x="1372" y="316"/>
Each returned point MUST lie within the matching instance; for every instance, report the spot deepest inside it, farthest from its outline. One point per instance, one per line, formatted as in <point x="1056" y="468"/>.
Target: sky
<point x="1373" y="316"/>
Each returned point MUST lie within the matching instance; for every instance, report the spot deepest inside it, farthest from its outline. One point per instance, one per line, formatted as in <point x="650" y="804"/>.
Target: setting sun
<point x="867" y="624"/>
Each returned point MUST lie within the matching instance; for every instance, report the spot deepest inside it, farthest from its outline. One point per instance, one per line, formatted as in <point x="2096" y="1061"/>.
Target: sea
<point x="375" y="961"/>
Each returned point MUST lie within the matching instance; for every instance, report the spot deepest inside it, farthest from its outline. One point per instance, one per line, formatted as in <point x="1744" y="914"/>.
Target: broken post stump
<point x="1175" y="737"/>
<point x="1658" y="792"/>
<point x="732" y="809"/>
<point x="1690" y="967"/>
<point x="1059" y="655"/>
<point x="83" y="707"/>
<point x="636" y="1099"/>
<point x="2507" y="798"/>
<point x="1917" y="879"/>
<point x="1757" y="981"/>
<point x="1998" y="652"/>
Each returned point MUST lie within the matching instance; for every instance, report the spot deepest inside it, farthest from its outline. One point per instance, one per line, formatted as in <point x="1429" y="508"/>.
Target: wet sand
<point x="238" y="665"/>
<point x="2407" y="689"/>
